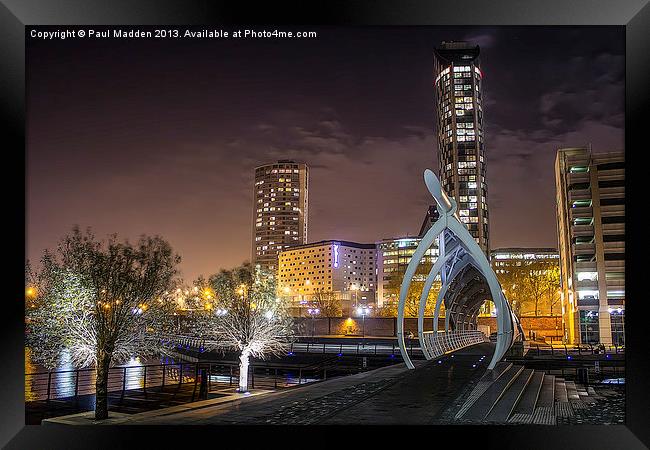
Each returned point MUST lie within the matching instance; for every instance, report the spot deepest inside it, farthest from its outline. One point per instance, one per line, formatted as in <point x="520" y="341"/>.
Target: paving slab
<point x="388" y="395"/>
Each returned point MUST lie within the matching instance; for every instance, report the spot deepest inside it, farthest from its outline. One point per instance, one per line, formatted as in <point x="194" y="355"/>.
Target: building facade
<point x="504" y="258"/>
<point x="280" y="210"/>
<point x="393" y="256"/>
<point x="346" y="269"/>
<point x="537" y="269"/>
<point x="590" y="190"/>
<point x="461" y="152"/>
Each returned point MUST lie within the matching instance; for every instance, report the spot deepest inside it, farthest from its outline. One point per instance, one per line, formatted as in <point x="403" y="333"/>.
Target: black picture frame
<point x="633" y="15"/>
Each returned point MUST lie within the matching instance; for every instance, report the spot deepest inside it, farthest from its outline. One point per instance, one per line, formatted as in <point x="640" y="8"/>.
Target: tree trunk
<point x="101" y="385"/>
<point x="243" y="371"/>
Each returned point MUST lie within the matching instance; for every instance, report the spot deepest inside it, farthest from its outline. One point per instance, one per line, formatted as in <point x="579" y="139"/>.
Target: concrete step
<point x="560" y="390"/>
<point x="502" y="409"/>
<point x="482" y="385"/>
<point x="494" y="374"/>
<point x="492" y="394"/>
<point x="546" y="397"/>
<point x="572" y="391"/>
<point x="527" y="401"/>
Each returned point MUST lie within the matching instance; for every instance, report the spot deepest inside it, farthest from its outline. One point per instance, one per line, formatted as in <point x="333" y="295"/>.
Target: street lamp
<point x="363" y="311"/>
<point x="313" y="312"/>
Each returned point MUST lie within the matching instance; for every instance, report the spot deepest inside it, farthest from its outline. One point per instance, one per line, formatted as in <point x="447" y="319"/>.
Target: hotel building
<point x="344" y="268"/>
<point x="461" y="149"/>
<point x="280" y="210"/>
<point x="590" y="189"/>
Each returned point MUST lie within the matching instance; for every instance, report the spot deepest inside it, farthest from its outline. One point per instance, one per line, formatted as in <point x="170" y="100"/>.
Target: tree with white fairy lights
<point x="102" y="301"/>
<point x="247" y="316"/>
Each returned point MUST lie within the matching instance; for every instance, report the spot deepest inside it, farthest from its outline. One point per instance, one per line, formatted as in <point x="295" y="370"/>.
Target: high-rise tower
<point x="461" y="152"/>
<point x="280" y="210"/>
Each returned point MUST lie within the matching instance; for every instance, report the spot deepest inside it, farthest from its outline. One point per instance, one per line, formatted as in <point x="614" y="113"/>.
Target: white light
<point x="359" y="310"/>
<point x="269" y="314"/>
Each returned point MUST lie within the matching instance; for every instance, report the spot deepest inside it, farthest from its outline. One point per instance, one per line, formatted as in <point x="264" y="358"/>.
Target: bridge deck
<point x="390" y="395"/>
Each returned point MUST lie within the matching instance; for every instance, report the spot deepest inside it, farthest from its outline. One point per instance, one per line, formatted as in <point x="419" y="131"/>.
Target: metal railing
<point x="439" y="343"/>
<point x="363" y="349"/>
<point x="179" y="342"/>
<point x="153" y="378"/>
<point x="565" y="350"/>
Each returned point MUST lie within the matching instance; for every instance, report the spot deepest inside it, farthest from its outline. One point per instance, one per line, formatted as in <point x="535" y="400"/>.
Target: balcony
<point x="585" y="266"/>
<point x="583" y="249"/>
<point x="582" y="230"/>
<point x="611" y="174"/>
<point x="615" y="285"/>
<point x="580" y="194"/>
<point x="612" y="191"/>
<point x="578" y="177"/>
<point x="614" y="247"/>
<point x="587" y="284"/>
<point x="615" y="266"/>
<point x="584" y="211"/>
<point x="612" y="210"/>
<point x="613" y="228"/>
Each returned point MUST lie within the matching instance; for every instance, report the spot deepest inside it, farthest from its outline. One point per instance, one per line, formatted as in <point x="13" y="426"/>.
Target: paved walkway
<point x="389" y="395"/>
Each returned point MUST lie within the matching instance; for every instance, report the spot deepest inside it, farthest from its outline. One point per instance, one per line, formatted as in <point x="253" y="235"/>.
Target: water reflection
<point x="66" y="381"/>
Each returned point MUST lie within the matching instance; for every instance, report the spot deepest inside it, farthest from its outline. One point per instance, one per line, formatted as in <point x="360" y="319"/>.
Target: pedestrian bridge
<point x="467" y="281"/>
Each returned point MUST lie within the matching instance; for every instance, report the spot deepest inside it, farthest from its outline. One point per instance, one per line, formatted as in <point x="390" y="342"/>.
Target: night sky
<point x="161" y="136"/>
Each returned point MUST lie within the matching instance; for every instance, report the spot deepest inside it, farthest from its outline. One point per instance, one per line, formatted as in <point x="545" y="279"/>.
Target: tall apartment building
<point x="461" y="151"/>
<point x="344" y="268"/>
<point x="280" y="210"/>
<point x="590" y="189"/>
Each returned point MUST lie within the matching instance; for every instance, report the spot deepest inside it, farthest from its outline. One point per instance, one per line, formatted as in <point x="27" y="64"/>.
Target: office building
<point x="590" y="190"/>
<point x="393" y="256"/>
<point x="461" y="152"/>
<point x="537" y="271"/>
<point x="280" y="210"/>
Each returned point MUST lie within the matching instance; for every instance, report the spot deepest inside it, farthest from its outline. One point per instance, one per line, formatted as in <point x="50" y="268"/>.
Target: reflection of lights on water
<point x="134" y="373"/>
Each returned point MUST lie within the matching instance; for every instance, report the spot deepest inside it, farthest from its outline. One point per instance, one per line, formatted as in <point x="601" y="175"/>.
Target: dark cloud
<point x="161" y="137"/>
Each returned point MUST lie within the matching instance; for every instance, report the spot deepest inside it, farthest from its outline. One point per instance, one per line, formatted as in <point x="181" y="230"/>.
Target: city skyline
<point x="174" y="137"/>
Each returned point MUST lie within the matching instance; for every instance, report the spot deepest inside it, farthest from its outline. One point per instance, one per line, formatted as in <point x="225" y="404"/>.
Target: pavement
<point x="388" y="395"/>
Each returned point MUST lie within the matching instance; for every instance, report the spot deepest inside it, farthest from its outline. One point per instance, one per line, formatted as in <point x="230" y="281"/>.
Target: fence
<point x="167" y="377"/>
<point x="563" y="350"/>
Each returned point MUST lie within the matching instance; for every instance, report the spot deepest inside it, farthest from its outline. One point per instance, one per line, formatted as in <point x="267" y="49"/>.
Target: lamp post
<point x="312" y="313"/>
<point x="363" y="311"/>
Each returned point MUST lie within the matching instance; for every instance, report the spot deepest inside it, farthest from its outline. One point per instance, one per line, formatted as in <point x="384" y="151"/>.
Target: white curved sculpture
<point x="458" y="252"/>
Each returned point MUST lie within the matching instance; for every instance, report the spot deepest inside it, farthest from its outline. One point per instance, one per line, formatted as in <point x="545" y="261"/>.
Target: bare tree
<point x="102" y="302"/>
<point x="328" y="303"/>
<point x="248" y="317"/>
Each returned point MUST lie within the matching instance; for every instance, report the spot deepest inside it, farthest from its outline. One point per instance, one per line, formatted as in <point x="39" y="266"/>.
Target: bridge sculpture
<point x="466" y="281"/>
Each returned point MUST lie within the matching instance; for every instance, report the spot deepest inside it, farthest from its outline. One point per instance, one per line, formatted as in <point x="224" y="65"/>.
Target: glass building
<point x="461" y="154"/>
<point x="280" y="210"/>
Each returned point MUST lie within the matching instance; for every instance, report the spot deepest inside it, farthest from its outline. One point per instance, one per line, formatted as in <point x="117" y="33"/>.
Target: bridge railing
<point x="180" y="342"/>
<point x="439" y="343"/>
